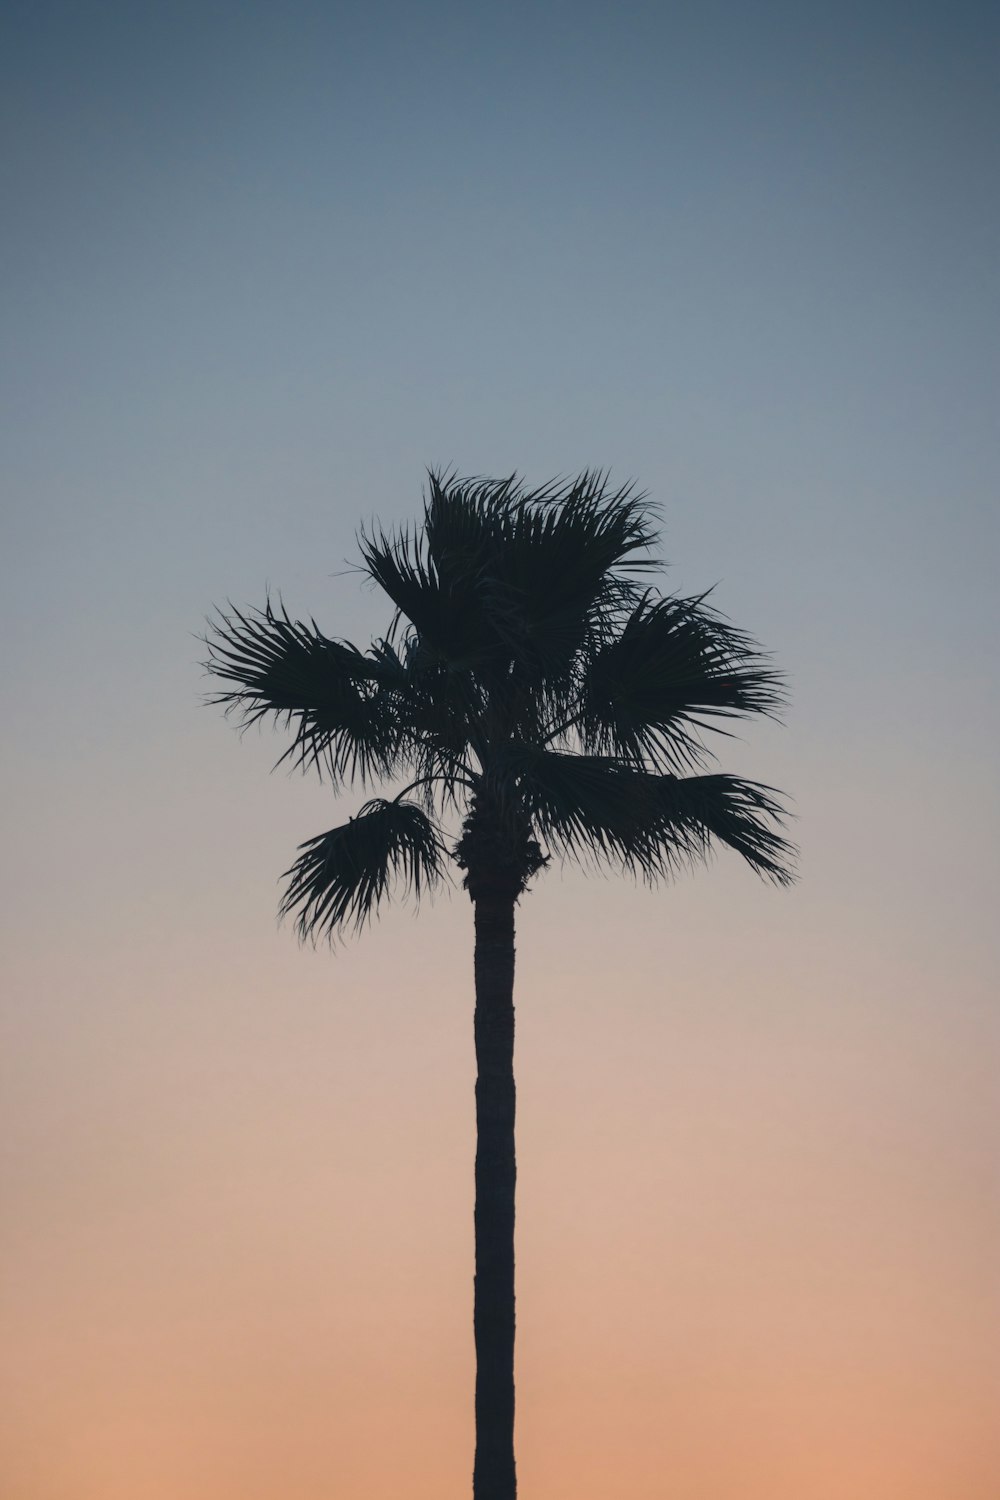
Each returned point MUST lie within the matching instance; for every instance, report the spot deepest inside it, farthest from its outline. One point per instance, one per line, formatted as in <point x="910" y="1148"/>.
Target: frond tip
<point x="341" y="876"/>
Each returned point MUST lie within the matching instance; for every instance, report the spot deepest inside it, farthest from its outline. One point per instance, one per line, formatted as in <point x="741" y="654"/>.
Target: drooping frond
<point x="744" y="815"/>
<point x="341" y="876"/>
<point x="347" y="707"/>
<point x="588" y="806"/>
<point x="645" y="691"/>
<point x="584" y="807"/>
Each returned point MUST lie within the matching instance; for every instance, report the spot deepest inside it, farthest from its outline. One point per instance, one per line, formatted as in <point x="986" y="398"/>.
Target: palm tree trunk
<point x="493" y="1476"/>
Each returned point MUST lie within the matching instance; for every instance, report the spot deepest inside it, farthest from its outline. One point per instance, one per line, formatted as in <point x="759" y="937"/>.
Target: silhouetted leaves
<point x="341" y="876"/>
<point x="522" y="635"/>
<point x="587" y="806"/>
<point x="647" y="690"/>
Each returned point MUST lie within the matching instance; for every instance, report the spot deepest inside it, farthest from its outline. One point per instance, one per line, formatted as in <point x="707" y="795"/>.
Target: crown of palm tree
<point x="531" y="683"/>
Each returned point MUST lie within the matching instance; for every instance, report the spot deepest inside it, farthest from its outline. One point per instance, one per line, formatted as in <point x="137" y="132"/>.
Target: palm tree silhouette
<point x="539" y="694"/>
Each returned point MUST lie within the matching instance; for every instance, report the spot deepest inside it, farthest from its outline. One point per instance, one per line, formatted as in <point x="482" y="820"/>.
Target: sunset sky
<point x="263" y="265"/>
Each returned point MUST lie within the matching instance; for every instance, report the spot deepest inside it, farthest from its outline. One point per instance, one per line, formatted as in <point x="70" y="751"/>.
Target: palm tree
<point x="535" y="691"/>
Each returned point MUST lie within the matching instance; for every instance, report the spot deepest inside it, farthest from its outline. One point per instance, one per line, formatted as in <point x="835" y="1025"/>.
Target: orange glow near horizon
<point x="752" y="1254"/>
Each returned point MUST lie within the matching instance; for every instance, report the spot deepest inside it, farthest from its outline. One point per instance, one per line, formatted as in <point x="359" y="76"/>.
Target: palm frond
<point x="597" y="807"/>
<point x="746" y="816"/>
<point x="546" y="563"/>
<point x="341" y="876"/>
<point x="645" y="691"/>
<point x="446" y="612"/>
<point x="459" y="522"/>
<point x="343" y="703"/>
<point x="584" y="807"/>
<point x="499" y="576"/>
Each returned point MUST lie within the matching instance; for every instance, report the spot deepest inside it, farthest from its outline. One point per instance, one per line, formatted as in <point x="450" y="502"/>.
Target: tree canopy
<point x="533" y="684"/>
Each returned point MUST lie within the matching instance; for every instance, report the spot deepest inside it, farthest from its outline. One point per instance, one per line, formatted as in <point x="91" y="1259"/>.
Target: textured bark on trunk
<point x="493" y="1476"/>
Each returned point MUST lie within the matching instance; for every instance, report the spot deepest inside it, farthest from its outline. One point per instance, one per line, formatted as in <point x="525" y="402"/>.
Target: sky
<point x="262" y="267"/>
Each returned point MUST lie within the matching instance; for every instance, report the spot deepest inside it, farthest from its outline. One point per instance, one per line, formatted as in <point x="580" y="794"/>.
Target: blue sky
<point x="263" y="259"/>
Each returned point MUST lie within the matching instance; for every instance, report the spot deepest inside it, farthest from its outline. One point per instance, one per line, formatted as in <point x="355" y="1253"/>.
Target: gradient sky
<point x="262" y="265"/>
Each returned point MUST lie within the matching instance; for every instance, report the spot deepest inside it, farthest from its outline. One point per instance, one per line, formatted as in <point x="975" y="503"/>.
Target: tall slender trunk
<point x="493" y="1476"/>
